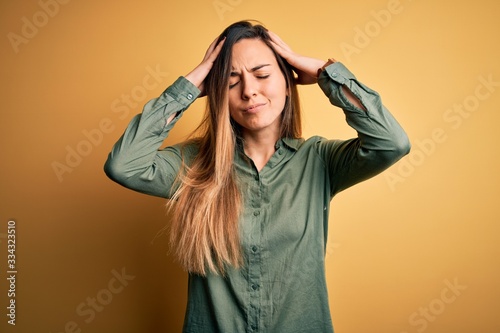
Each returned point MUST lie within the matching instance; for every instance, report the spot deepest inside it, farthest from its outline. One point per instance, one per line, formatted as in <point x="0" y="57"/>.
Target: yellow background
<point x="397" y="241"/>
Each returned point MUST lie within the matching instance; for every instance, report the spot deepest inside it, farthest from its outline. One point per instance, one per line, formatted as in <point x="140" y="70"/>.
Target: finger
<point x="214" y="47"/>
<point x="210" y="49"/>
<point x="278" y="41"/>
<point x="281" y="51"/>
<point x="216" y="50"/>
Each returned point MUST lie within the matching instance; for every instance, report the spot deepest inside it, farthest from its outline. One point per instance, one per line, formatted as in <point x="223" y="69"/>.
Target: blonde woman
<point x="250" y="197"/>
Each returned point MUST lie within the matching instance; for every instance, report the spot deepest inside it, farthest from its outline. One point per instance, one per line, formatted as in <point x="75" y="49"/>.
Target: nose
<point x="249" y="88"/>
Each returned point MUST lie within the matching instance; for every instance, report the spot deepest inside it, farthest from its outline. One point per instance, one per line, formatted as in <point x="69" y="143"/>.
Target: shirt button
<point x="255" y="286"/>
<point x="280" y="152"/>
<point x="254" y="327"/>
<point x="334" y="74"/>
<point x="254" y="249"/>
<point x="256" y="213"/>
<point x="190" y="96"/>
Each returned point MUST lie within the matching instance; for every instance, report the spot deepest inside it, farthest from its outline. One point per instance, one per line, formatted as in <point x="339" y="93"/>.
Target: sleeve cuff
<point x="183" y="91"/>
<point x="336" y="72"/>
<point x="331" y="81"/>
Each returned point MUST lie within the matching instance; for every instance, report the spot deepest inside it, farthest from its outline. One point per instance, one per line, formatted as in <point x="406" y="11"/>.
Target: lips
<point x="254" y="107"/>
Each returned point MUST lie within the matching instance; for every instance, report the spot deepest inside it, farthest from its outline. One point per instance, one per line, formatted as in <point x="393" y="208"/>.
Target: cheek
<point x="278" y="88"/>
<point x="232" y="101"/>
<point x="279" y="93"/>
<point x="233" y="107"/>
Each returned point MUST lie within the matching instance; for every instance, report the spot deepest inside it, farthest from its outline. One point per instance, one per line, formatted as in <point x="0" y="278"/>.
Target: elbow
<point x="403" y="146"/>
<point x="113" y="169"/>
<point x="395" y="149"/>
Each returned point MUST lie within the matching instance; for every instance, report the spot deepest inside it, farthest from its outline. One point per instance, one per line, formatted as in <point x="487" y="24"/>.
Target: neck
<point x="260" y="147"/>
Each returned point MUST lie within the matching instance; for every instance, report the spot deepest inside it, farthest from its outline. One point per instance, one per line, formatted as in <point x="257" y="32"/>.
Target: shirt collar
<point x="282" y="146"/>
<point x="291" y="143"/>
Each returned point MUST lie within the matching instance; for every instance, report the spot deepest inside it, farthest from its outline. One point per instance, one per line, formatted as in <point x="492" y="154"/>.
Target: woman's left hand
<point x="305" y="67"/>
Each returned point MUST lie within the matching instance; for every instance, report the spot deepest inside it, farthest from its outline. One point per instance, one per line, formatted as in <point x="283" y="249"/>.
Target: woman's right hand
<point x="199" y="73"/>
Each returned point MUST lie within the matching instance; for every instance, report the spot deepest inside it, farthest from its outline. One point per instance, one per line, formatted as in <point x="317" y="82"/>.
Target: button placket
<point x="254" y="269"/>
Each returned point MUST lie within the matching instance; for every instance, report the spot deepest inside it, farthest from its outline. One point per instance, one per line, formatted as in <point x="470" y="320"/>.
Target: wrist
<point x="198" y="74"/>
<point x="193" y="78"/>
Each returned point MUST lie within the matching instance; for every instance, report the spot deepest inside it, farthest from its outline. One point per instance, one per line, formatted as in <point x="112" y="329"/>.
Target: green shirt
<point x="284" y="224"/>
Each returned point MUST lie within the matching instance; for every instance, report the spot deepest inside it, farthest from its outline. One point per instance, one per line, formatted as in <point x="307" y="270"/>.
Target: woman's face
<point x="257" y="88"/>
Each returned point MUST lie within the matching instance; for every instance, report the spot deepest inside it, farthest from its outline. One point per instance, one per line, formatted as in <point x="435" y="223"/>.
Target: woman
<point x="250" y="198"/>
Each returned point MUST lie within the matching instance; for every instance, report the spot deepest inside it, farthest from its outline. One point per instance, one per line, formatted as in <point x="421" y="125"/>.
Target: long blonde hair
<point x="206" y="207"/>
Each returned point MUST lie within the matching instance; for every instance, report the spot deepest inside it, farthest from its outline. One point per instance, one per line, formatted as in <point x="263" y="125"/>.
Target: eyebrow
<point x="254" y="69"/>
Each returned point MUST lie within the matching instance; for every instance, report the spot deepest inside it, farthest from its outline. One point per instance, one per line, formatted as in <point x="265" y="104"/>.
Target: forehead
<point x="251" y="52"/>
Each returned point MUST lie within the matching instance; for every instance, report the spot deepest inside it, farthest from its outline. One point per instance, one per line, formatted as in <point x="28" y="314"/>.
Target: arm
<point x="135" y="161"/>
<point x="307" y="68"/>
<point x="381" y="141"/>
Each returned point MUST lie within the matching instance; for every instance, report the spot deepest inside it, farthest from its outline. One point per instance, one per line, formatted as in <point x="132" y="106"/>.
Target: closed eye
<point x="263" y="76"/>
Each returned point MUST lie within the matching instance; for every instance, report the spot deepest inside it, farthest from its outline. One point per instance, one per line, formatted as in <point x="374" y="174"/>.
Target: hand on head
<point x="197" y="76"/>
<point x="305" y="67"/>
